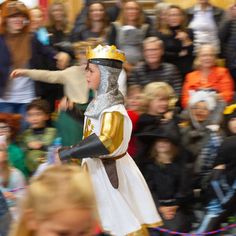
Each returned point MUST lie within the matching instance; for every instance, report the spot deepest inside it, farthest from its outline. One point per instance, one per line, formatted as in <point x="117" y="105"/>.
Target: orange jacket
<point x="219" y="79"/>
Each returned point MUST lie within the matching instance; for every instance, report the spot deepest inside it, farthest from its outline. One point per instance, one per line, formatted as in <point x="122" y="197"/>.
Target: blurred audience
<point x="152" y="69"/>
<point x="168" y="172"/>
<point x="15" y="31"/>
<point x="207" y="75"/>
<point x="204" y="18"/>
<point x="37" y="25"/>
<point x="38" y="137"/>
<point x="161" y="15"/>
<point x="9" y="129"/>
<point x="178" y="40"/>
<point x="5" y="217"/>
<point x="96" y="25"/>
<point x="201" y="134"/>
<point x="129" y="32"/>
<point x="12" y="183"/>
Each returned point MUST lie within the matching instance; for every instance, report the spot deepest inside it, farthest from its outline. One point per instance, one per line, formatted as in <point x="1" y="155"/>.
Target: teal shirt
<point x="16" y="158"/>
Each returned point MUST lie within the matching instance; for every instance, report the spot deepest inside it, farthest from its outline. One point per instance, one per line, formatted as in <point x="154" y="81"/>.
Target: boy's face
<point x="36" y="118"/>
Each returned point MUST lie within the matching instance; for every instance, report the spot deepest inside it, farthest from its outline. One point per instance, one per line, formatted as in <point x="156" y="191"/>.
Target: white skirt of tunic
<point x="125" y="210"/>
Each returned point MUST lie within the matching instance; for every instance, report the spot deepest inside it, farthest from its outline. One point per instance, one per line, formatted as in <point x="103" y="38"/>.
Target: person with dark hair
<point x="20" y="49"/>
<point x="167" y="168"/>
<point x="36" y="139"/>
<point x="96" y="25"/>
<point x="227" y="35"/>
<point x="9" y="129"/>
<point x="112" y="13"/>
<point x="178" y="40"/>
<point x="222" y="188"/>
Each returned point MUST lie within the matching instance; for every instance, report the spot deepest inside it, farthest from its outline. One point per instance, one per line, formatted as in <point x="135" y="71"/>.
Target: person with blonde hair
<point x="158" y="106"/>
<point x="129" y="31"/>
<point x="157" y="90"/>
<point x="208" y="75"/>
<point x="59" y="201"/>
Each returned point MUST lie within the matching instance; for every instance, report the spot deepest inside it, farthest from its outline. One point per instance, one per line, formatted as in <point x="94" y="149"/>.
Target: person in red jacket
<point x="208" y="76"/>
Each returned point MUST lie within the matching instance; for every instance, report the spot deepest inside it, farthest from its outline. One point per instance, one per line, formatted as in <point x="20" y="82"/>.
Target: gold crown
<point x="105" y="52"/>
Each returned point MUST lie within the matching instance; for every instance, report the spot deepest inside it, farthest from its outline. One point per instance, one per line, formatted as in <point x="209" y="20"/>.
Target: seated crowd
<point x="178" y="82"/>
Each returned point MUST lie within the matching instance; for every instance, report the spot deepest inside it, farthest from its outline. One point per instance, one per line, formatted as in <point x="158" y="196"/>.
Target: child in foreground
<point x="58" y="202"/>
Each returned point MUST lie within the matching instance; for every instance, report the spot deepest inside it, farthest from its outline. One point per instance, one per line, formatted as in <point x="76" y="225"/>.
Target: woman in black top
<point x="96" y="25"/>
<point x="178" y="40"/>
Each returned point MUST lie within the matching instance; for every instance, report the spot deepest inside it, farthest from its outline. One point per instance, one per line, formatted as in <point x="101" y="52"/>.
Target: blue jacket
<point x="40" y="54"/>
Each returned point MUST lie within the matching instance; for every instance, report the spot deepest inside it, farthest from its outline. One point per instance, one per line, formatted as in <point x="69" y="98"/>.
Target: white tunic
<point x="125" y="210"/>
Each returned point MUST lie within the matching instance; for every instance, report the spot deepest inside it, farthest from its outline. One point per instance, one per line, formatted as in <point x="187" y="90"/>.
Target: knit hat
<point x="209" y="97"/>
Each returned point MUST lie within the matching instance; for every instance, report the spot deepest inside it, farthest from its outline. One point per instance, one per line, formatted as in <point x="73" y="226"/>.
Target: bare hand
<point x="35" y="145"/>
<point x="9" y="195"/>
<point x="63" y="60"/>
<point x="17" y="73"/>
<point x="183" y="37"/>
<point x="168" y="212"/>
<point x="65" y="104"/>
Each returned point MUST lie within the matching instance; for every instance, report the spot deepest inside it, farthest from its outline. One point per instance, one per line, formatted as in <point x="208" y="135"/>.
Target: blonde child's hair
<point x="158" y="89"/>
<point x="58" y="188"/>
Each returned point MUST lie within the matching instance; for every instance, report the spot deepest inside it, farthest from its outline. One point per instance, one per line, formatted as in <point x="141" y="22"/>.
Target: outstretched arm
<point x="52" y="77"/>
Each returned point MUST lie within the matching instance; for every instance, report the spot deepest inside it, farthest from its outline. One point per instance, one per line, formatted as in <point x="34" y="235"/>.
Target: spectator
<point x="16" y="94"/>
<point x="58" y="201"/>
<point x="59" y="29"/>
<point x="9" y="128"/>
<point x="208" y="76"/>
<point x="168" y="172"/>
<point x="5" y="217"/>
<point x="152" y="69"/>
<point x="96" y="24"/>
<point x="204" y="19"/>
<point x="161" y="15"/>
<point x="227" y="34"/>
<point x="12" y="183"/>
<point x="133" y="105"/>
<point x="112" y="12"/>
<point x="223" y="178"/>
<point x="201" y="134"/>
<point x="222" y="190"/>
<point x="58" y="23"/>
<point x="38" y="137"/>
<point x="178" y="40"/>
<point x="37" y="25"/>
<point x="158" y="107"/>
<point x="129" y="32"/>
<point x="230" y="120"/>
